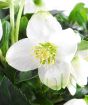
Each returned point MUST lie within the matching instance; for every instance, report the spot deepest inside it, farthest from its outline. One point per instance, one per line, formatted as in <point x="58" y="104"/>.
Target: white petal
<point x="72" y="86"/>
<point x="55" y="76"/>
<point x="80" y="70"/>
<point x="1" y="30"/>
<point x="20" y="55"/>
<point x="83" y="54"/>
<point x="66" y="40"/>
<point x="76" y="102"/>
<point x="46" y="5"/>
<point x="29" y="7"/>
<point x="42" y="25"/>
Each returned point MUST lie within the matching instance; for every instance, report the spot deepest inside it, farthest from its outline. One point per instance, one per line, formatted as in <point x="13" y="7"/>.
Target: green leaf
<point x="23" y="26"/>
<point x="79" y="15"/>
<point x="23" y="23"/>
<point x="10" y="95"/>
<point x="83" y="45"/>
<point x="44" y="101"/>
<point x="1" y="75"/>
<point x="4" y="4"/>
<point x="6" y="36"/>
<point x="86" y="99"/>
<point x="25" y="76"/>
<point x="81" y="92"/>
<point x="62" y="19"/>
<point x="8" y="71"/>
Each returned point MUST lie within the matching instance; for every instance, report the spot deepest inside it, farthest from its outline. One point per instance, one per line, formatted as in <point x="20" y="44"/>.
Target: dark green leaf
<point x="43" y="101"/>
<point x="25" y="76"/>
<point x="10" y="95"/>
<point x="62" y="19"/>
<point x="6" y="36"/>
<point x="81" y="92"/>
<point x="1" y="75"/>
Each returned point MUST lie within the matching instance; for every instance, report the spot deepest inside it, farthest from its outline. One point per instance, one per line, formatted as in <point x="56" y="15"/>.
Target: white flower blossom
<point x="79" y="72"/>
<point x="76" y="102"/>
<point x="32" y="6"/>
<point x="48" y="48"/>
<point x="1" y="30"/>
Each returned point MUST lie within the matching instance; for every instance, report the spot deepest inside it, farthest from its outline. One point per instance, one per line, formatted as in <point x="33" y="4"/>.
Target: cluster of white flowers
<point x="50" y="49"/>
<point x="53" y="51"/>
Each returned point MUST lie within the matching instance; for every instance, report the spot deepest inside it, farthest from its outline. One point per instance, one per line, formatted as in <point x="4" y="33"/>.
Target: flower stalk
<point x="12" y="21"/>
<point x="18" y="20"/>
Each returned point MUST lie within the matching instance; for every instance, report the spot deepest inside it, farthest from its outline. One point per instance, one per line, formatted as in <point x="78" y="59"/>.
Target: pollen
<point x="46" y="53"/>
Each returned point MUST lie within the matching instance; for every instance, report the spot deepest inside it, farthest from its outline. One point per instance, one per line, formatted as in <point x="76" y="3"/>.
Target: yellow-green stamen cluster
<point x="46" y="53"/>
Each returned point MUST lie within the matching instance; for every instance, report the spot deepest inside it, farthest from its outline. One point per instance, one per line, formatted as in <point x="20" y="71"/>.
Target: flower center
<point x="46" y="53"/>
<point x="38" y="2"/>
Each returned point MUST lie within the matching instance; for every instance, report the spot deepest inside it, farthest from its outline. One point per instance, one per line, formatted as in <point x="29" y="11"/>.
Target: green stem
<point x="18" y="20"/>
<point x="12" y="21"/>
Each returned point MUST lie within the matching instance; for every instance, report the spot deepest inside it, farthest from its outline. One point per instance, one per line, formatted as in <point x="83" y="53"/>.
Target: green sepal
<point x="4" y="4"/>
<point x="83" y="45"/>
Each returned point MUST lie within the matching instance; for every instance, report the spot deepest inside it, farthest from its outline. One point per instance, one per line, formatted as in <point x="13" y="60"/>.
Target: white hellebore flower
<point x="32" y="6"/>
<point x="1" y="30"/>
<point x="76" y="102"/>
<point x="48" y="48"/>
<point x="79" y="73"/>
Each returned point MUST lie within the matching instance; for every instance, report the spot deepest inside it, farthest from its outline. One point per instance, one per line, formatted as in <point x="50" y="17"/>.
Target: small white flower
<point x="32" y="6"/>
<point x="48" y="48"/>
<point x="79" y="73"/>
<point x="1" y="30"/>
<point x="76" y="102"/>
